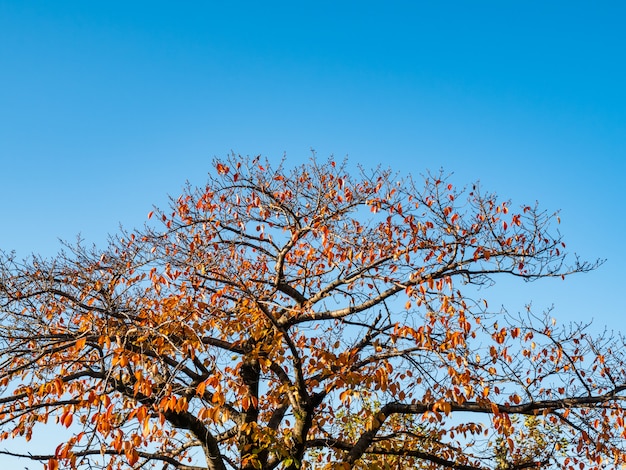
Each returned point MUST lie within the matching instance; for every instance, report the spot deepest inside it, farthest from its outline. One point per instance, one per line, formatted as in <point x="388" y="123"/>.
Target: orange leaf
<point x="80" y="344"/>
<point x="132" y="456"/>
<point x="145" y="429"/>
<point x="200" y="388"/>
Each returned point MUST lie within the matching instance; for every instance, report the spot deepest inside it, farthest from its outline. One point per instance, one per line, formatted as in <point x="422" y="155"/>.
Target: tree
<point x="298" y="319"/>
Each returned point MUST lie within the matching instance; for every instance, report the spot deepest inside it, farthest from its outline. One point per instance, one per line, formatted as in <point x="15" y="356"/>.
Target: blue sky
<point x="107" y="107"/>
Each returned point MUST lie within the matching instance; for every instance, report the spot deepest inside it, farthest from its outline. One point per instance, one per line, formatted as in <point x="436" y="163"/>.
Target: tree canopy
<point x="308" y="318"/>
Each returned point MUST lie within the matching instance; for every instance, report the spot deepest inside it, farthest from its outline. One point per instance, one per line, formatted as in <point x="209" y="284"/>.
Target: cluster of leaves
<point x="308" y="318"/>
<point x="535" y="444"/>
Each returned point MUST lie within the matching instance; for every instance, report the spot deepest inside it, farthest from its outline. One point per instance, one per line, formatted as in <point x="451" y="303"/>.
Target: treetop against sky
<point x="262" y="316"/>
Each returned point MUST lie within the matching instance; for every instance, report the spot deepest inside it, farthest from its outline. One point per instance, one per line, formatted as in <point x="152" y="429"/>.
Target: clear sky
<point x="108" y="106"/>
